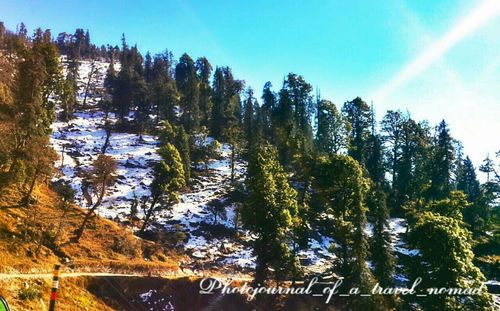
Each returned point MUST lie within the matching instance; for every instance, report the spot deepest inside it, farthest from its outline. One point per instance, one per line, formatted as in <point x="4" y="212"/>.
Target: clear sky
<point x="436" y="59"/>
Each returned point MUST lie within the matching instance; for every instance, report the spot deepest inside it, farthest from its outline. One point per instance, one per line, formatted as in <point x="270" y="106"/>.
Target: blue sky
<point x="437" y="59"/>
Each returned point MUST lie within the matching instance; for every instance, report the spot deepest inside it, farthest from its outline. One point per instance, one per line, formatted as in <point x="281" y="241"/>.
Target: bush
<point x="124" y="246"/>
<point x="29" y="293"/>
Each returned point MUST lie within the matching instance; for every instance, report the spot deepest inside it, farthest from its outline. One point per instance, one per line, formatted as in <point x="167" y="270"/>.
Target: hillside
<point x="146" y="176"/>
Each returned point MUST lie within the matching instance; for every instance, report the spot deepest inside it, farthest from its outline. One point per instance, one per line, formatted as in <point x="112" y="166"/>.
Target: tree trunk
<point x="61" y="222"/>
<point x="233" y="147"/>
<point x="92" y="68"/>
<point x="148" y="214"/>
<point x="106" y="142"/>
<point x="79" y="232"/>
<point x="27" y="198"/>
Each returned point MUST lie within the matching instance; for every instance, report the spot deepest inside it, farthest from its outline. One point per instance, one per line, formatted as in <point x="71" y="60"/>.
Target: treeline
<point x="313" y="167"/>
<point x="346" y="169"/>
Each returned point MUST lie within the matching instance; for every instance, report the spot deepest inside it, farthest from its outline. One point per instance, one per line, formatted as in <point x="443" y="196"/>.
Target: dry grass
<point x="73" y="295"/>
<point x="104" y="245"/>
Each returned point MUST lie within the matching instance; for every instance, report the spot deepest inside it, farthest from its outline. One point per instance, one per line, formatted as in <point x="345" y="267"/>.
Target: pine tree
<point x="442" y="163"/>
<point x="141" y="99"/>
<point x="446" y="260"/>
<point x="38" y="77"/>
<point x="467" y="180"/>
<point x="226" y="109"/>
<point x="487" y="167"/>
<point x="204" y="70"/>
<point x="392" y="129"/>
<point x="268" y="108"/>
<point x="333" y="129"/>
<point x="176" y="136"/>
<point x="148" y="68"/>
<point x="381" y="245"/>
<point x="218" y="119"/>
<point x="249" y="118"/>
<point x="342" y="189"/>
<point x="182" y="145"/>
<point x="164" y="94"/>
<point x="358" y="113"/>
<point x="39" y="164"/>
<point x="269" y="212"/>
<point x="451" y="206"/>
<point x="168" y="180"/>
<point x="188" y="86"/>
<point x="293" y="131"/>
<point x="233" y="136"/>
<point x="68" y="99"/>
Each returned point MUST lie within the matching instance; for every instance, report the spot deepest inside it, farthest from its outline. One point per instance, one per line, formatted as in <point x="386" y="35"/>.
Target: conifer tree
<point x="182" y="145"/>
<point x="39" y="164"/>
<point x="168" y="180"/>
<point x="188" y="86"/>
<point x="36" y="88"/>
<point x="226" y="109"/>
<point x="141" y="100"/>
<point x="68" y="99"/>
<point x="333" y="128"/>
<point x="467" y="180"/>
<point x="233" y="136"/>
<point x="218" y="112"/>
<point x="164" y="94"/>
<point x="342" y="189"/>
<point x="441" y="167"/>
<point x="268" y="110"/>
<point x="176" y="136"/>
<point x="204" y="70"/>
<point x="269" y="212"/>
<point x="446" y="260"/>
<point x="249" y="118"/>
<point x="293" y="129"/>
<point x="148" y="68"/>
<point x="358" y="113"/>
<point x="381" y="245"/>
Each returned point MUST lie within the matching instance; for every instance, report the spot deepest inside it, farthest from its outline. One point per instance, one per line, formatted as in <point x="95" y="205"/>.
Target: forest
<point x="312" y="167"/>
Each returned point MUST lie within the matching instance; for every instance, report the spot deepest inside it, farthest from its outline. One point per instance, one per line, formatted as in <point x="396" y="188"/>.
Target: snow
<point x="210" y="243"/>
<point x="147" y="295"/>
<point x="79" y="142"/>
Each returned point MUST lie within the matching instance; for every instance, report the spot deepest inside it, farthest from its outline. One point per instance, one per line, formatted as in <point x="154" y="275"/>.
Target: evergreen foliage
<point x="270" y="212"/>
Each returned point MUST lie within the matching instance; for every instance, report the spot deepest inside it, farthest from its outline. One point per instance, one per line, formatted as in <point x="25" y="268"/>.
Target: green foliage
<point x="205" y="149"/>
<point x="382" y="256"/>
<point x="445" y="260"/>
<point x="467" y="179"/>
<point x="68" y="98"/>
<point x="342" y="189"/>
<point x="270" y="212"/>
<point x="168" y="175"/>
<point x="451" y="206"/>
<point x="176" y="136"/>
<point x="226" y="111"/>
<point x="187" y="84"/>
<point x="333" y="129"/>
<point x="359" y="115"/>
<point x="29" y="293"/>
<point x="204" y="69"/>
<point x="216" y="207"/>
<point x="168" y="179"/>
<point x="442" y="162"/>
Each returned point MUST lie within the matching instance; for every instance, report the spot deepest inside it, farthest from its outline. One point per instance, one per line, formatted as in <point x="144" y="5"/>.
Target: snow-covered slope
<point x="210" y="243"/>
